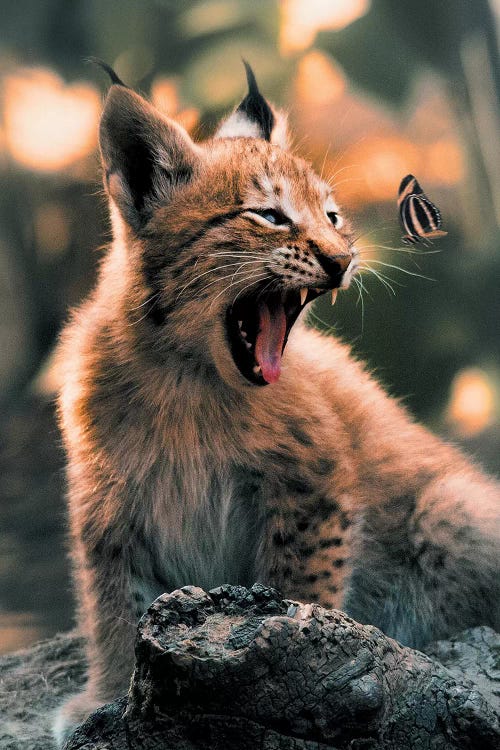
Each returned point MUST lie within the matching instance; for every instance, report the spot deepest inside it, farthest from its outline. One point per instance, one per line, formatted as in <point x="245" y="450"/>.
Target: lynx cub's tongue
<point x="270" y="340"/>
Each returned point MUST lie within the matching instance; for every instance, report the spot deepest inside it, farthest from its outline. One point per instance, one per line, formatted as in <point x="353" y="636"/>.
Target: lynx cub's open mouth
<point x="258" y="326"/>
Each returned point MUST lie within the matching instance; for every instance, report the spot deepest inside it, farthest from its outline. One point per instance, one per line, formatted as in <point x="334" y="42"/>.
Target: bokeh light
<point x="165" y="97"/>
<point x="318" y="81"/>
<point x="302" y="19"/>
<point x="48" y="125"/>
<point x="472" y="402"/>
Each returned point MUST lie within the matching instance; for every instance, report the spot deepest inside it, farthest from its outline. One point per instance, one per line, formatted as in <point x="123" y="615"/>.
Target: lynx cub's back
<point x="212" y="438"/>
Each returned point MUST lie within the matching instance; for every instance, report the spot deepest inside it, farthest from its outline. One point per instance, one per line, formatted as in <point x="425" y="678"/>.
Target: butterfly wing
<point x="409" y="186"/>
<point x="406" y="217"/>
<point x="435" y="233"/>
<point x="424" y="214"/>
<point x="419" y="216"/>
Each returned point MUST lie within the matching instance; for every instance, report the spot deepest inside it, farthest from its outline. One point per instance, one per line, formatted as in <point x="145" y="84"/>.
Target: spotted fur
<point x="180" y="471"/>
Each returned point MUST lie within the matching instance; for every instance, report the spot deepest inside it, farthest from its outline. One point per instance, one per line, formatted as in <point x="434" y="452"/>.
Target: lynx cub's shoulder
<point x="211" y="438"/>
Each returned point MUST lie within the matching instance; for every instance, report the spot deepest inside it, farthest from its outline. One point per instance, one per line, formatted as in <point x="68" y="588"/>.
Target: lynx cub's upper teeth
<point x="303" y="296"/>
<point x="257" y="369"/>
<point x="334" y="295"/>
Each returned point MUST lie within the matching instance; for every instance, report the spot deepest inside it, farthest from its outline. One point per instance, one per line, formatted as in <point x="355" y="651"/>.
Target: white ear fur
<point x="238" y="125"/>
<point x="254" y="117"/>
<point x="280" y="135"/>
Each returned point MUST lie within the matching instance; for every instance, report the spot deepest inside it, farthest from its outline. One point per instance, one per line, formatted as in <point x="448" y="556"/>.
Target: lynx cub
<point x="212" y="438"/>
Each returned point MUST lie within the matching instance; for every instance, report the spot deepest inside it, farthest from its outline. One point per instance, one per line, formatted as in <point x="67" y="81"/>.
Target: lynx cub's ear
<point x="255" y="118"/>
<point x="144" y="154"/>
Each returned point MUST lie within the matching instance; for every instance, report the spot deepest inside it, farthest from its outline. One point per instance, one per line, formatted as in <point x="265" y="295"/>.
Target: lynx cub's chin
<point x="211" y="438"/>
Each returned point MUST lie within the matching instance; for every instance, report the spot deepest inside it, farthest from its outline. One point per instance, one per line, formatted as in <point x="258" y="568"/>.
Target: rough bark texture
<point x="240" y="669"/>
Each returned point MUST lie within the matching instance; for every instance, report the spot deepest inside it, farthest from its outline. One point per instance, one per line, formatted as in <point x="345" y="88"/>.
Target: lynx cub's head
<point x="226" y="240"/>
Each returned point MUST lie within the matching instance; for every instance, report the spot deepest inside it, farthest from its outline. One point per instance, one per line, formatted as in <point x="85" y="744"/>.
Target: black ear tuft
<point x="107" y="69"/>
<point x="253" y="89"/>
<point x="255" y="107"/>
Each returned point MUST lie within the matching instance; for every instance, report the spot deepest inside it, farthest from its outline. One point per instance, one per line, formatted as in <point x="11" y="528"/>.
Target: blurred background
<point x="375" y="90"/>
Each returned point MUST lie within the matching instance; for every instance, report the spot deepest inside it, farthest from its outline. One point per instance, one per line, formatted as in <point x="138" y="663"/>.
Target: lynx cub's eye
<point x="336" y="220"/>
<point x="272" y="216"/>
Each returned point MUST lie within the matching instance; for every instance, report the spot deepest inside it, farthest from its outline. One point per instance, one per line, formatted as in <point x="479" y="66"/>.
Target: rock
<point x="236" y="669"/>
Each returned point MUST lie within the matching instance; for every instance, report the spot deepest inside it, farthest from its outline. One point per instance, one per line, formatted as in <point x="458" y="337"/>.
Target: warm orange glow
<point x="302" y="19"/>
<point x="49" y="125"/>
<point x="49" y="379"/>
<point x="188" y="118"/>
<point x="472" y="402"/>
<point x="165" y="97"/>
<point x="386" y="164"/>
<point x="444" y="162"/>
<point x="371" y="170"/>
<point x="368" y="149"/>
<point x="318" y="80"/>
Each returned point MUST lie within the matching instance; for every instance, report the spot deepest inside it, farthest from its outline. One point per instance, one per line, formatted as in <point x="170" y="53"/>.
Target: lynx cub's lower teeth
<point x="303" y="296"/>
<point x="334" y="295"/>
<point x="256" y="369"/>
<point x="240" y="323"/>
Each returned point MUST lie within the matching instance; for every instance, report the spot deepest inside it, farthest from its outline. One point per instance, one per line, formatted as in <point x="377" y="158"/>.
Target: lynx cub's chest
<point x="208" y="530"/>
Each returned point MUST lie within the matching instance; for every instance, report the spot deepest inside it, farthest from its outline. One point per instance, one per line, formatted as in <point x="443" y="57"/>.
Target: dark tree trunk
<point x="236" y="669"/>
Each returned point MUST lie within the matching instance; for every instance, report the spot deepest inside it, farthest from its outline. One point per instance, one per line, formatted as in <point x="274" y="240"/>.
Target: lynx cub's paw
<point x="71" y="714"/>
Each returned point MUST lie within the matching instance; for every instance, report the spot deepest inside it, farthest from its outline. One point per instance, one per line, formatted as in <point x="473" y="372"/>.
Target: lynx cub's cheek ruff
<point x="212" y="438"/>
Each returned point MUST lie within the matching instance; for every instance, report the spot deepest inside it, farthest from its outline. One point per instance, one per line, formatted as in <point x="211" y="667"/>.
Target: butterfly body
<point x="420" y="218"/>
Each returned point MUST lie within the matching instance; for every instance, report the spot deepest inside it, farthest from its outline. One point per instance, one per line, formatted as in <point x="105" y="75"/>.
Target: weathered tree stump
<point x="237" y="669"/>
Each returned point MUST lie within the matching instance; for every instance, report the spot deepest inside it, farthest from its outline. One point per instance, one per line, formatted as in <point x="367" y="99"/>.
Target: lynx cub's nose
<point x="335" y="266"/>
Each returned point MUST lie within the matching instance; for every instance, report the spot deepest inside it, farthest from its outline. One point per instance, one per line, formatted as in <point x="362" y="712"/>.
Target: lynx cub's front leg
<point x="305" y="550"/>
<point x="110" y="603"/>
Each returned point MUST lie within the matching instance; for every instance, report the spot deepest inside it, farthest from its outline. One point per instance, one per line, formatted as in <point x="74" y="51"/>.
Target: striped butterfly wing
<point x="409" y="186"/>
<point x="420" y="218"/>
<point x="424" y="215"/>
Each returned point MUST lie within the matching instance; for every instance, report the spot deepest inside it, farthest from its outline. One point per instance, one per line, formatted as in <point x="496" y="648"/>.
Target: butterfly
<point x="420" y="218"/>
